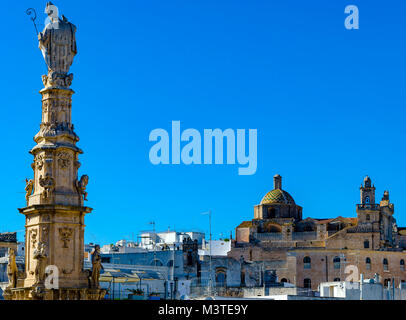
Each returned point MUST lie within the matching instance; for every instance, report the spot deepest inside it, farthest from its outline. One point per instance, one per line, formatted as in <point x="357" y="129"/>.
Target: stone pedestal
<point x="40" y="293"/>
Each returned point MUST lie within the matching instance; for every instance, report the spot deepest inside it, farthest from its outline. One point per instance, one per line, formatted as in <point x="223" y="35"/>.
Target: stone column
<point x="55" y="209"/>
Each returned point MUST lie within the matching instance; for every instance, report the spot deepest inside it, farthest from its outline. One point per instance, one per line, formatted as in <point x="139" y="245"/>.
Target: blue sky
<point x="328" y="104"/>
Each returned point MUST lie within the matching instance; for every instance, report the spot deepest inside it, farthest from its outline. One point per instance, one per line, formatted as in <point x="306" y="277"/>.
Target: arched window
<point x="284" y="280"/>
<point x="366" y="244"/>
<point x="337" y="280"/>
<point x="221" y="277"/>
<point x="336" y="262"/>
<point x="368" y="263"/>
<point x="402" y="265"/>
<point x="367" y="201"/>
<point x="307" y="283"/>
<point x="156" y="262"/>
<point x="307" y="263"/>
<point x="385" y="264"/>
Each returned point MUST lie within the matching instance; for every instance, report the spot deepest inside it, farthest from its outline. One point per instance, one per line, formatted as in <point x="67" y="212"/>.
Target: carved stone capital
<point x="56" y="79"/>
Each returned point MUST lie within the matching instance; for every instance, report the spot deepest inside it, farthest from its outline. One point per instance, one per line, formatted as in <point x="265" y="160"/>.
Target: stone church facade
<point x="306" y="252"/>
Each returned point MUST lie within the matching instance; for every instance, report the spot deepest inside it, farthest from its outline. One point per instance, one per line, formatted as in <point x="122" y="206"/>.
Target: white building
<point x="218" y="248"/>
<point x="168" y="239"/>
<point x="369" y="289"/>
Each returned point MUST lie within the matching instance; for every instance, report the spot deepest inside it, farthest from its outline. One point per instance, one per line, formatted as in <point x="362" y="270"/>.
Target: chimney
<point x="277" y="182"/>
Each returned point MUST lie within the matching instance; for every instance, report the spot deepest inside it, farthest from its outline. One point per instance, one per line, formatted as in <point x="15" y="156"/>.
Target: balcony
<point x="368" y="206"/>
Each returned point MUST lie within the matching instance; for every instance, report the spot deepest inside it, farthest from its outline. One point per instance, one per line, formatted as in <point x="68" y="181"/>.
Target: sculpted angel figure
<point x="29" y="187"/>
<point x="81" y="186"/>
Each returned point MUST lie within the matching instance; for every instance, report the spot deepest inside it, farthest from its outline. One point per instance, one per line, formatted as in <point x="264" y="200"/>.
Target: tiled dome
<point x="277" y="196"/>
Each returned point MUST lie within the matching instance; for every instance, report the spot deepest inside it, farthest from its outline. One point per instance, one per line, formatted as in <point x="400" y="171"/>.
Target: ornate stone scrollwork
<point x="44" y="234"/>
<point x="57" y="79"/>
<point x="64" y="159"/>
<point x="39" y="161"/>
<point x="65" y="235"/>
<point x="48" y="184"/>
<point x="33" y="237"/>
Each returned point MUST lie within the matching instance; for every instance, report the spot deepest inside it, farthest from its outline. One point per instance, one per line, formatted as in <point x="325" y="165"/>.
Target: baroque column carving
<point x="55" y="195"/>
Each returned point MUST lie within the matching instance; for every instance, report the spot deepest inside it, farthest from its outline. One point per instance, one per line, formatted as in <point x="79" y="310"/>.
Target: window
<point x="284" y="280"/>
<point x="221" y="278"/>
<point x="368" y="263"/>
<point x="366" y="244"/>
<point x="402" y="265"/>
<point x="307" y="283"/>
<point x="105" y="259"/>
<point x="156" y="262"/>
<point x="307" y="263"/>
<point x="271" y="213"/>
<point x="337" y="280"/>
<point x="170" y="263"/>
<point x="385" y="264"/>
<point x="189" y="259"/>
<point x="367" y="201"/>
<point x="242" y="278"/>
<point x="386" y="283"/>
<point x="270" y="277"/>
<point x="367" y="217"/>
<point x="308" y="228"/>
<point x="337" y="264"/>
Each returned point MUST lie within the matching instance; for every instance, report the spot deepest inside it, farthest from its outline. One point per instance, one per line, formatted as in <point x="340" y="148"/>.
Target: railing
<point x="368" y="206"/>
<point x="307" y="235"/>
<point x="268" y="236"/>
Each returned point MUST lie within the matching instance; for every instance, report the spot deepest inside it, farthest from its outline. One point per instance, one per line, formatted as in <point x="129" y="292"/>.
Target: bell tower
<point x="368" y="210"/>
<point x="367" y="192"/>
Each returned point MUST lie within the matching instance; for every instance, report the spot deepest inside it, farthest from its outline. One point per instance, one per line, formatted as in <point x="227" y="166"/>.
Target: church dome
<point x="277" y="195"/>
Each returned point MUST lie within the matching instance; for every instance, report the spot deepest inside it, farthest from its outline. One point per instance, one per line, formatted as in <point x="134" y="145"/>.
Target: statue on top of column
<point x="58" y="46"/>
